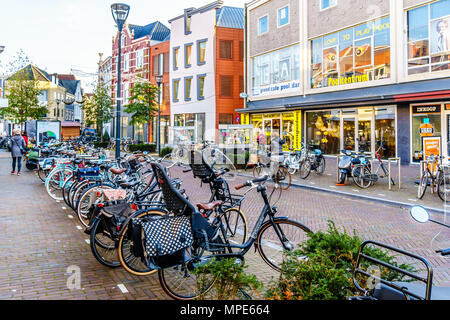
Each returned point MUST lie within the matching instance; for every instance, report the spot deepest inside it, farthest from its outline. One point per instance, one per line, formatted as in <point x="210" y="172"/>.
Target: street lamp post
<point x="120" y="14"/>
<point x="2" y="48"/>
<point x="159" y="80"/>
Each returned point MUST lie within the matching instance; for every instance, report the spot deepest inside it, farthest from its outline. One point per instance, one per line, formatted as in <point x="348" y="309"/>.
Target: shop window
<point x="323" y="131"/>
<point x="385" y="131"/>
<point x="349" y="56"/>
<point x="429" y="38"/>
<point x="420" y="117"/>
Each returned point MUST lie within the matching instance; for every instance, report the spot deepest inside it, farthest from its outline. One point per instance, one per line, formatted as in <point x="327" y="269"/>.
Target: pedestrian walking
<point x="276" y="153"/>
<point x="25" y="137"/>
<point x="18" y="148"/>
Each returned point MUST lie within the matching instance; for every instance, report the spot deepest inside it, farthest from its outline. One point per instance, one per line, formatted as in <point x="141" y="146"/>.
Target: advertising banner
<point x="47" y="130"/>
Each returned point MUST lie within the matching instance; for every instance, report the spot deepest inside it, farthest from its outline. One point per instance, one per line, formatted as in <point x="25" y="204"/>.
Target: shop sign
<point x="286" y="87"/>
<point x="297" y="130"/>
<point x="426" y="130"/>
<point x="447" y="107"/>
<point x="427" y="109"/>
<point x="348" y="80"/>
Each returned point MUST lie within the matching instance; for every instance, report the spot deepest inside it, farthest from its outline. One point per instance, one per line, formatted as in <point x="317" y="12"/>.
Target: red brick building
<point x="138" y="44"/>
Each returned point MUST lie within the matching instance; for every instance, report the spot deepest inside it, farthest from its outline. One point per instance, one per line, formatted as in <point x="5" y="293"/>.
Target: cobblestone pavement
<point x="40" y="238"/>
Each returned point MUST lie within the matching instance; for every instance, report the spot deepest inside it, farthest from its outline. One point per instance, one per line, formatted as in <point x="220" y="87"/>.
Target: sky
<point x="64" y="35"/>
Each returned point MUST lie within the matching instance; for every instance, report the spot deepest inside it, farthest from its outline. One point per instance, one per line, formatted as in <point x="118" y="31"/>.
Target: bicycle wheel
<point x="423" y="184"/>
<point x="102" y="246"/>
<point x="321" y="167"/>
<point x="181" y="283"/>
<point x="274" y="238"/>
<point x="128" y="261"/>
<point x="55" y="181"/>
<point x="260" y="171"/>
<point x="42" y="174"/>
<point x="87" y="200"/>
<point x="361" y="176"/>
<point x="444" y="188"/>
<point x="305" y="169"/>
<point x="283" y="178"/>
<point x="235" y="225"/>
<point x="66" y="187"/>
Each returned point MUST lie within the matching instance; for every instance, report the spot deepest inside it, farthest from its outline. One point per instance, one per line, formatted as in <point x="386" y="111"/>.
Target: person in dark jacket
<point x="17" y="147"/>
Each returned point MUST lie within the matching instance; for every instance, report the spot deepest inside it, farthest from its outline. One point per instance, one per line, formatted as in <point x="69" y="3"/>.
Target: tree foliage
<point x="98" y="108"/>
<point x="22" y="92"/>
<point x="144" y="103"/>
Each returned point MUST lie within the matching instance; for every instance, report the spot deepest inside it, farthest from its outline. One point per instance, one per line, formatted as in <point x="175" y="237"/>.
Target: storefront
<point x="358" y="129"/>
<point x="436" y="118"/>
<point x="285" y="125"/>
<point x="187" y="128"/>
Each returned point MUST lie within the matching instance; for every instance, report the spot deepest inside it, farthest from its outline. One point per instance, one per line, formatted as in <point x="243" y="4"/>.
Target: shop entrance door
<point x="364" y="136"/>
<point x="271" y="127"/>
<point x="349" y="132"/>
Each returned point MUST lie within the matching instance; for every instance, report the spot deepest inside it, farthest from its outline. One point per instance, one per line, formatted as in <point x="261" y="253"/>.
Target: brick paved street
<point x="39" y="240"/>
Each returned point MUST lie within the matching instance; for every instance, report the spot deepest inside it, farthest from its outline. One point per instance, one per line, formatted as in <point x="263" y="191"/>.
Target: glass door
<point x="364" y="138"/>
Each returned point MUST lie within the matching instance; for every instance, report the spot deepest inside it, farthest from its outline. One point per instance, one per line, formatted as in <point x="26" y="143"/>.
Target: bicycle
<point x="270" y="236"/>
<point x="281" y="175"/>
<point x="437" y="180"/>
<point x="312" y="162"/>
<point x="362" y="173"/>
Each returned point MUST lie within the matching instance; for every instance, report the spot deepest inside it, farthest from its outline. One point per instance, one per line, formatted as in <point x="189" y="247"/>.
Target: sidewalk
<point x="406" y="196"/>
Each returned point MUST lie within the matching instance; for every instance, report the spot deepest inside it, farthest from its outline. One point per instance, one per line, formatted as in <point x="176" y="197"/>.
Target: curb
<point x="359" y="196"/>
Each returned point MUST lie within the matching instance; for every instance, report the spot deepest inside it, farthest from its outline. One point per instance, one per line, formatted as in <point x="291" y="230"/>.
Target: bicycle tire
<point x="54" y="188"/>
<point x="283" y="178"/>
<point x="423" y="184"/>
<point x="321" y="167"/>
<point x="236" y="228"/>
<point x="42" y="174"/>
<point x="105" y="253"/>
<point x="82" y="211"/>
<point x="443" y="188"/>
<point x="66" y="187"/>
<point x="360" y="174"/>
<point x="128" y="261"/>
<point x="270" y="246"/>
<point x="305" y="169"/>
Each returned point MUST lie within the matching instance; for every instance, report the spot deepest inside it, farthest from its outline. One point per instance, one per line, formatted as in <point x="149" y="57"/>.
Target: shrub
<point x="231" y="280"/>
<point x="99" y="144"/>
<point x="165" y="151"/>
<point x="106" y="136"/>
<point x="142" y="147"/>
<point x="322" y="269"/>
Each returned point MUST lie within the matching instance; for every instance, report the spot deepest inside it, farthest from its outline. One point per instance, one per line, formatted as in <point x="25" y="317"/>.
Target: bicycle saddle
<point x="117" y="171"/>
<point x="209" y="206"/>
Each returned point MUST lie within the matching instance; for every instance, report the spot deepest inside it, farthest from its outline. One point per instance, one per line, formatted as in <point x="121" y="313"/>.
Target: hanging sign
<point x="426" y="109"/>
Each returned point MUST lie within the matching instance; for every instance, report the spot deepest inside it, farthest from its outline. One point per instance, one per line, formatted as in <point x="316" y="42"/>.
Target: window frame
<point x="126" y="62"/>
<point x="329" y="7"/>
<point x="231" y="49"/>
<point x="176" y="90"/>
<point x="231" y="86"/>
<point x="259" y="25"/>
<point x="186" y="45"/>
<point x="201" y="97"/>
<point x="186" y="97"/>
<point x="176" y="58"/>
<point x="199" y="42"/>
<point x="288" y="16"/>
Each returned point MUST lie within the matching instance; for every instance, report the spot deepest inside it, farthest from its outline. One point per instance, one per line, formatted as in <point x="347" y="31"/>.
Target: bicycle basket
<point x="134" y="164"/>
<point x="165" y="239"/>
<point x="222" y="190"/>
<point x="88" y="173"/>
<point x="116" y="213"/>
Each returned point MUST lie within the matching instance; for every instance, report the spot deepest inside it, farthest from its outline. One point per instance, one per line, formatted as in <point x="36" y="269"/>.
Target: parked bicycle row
<point x="139" y="215"/>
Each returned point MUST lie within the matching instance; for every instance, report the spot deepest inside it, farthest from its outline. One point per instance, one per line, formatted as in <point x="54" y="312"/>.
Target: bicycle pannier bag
<point x="165" y="239"/>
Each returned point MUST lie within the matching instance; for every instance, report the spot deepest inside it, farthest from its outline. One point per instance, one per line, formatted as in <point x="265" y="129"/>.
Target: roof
<point x="155" y="30"/>
<point x="70" y="85"/>
<point x="32" y="73"/>
<point x="70" y="124"/>
<point x="66" y="77"/>
<point x="207" y="7"/>
<point x="230" y="17"/>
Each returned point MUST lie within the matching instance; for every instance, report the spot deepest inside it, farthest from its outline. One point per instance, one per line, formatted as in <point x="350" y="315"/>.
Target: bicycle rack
<point x="424" y="163"/>
<point x="399" y="161"/>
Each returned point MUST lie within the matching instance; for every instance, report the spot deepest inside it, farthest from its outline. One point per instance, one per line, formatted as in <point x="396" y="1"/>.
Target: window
<point x="160" y="64"/>
<point x="126" y="62"/>
<point x="283" y="16"/>
<point x="263" y="25"/>
<point x="429" y="38"/>
<point x="126" y="87"/>
<point x="187" y="88"/>
<point x="225" y="118"/>
<point x="176" y="52"/>
<point x="226" y="83"/>
<point x="325" y="4"/>
<point x="241" y="84"/>
<point x="123" y="42"/>
<point x="241" y="51"/>
<point x="187" y="23"/>
<point x="353" y="55"/>
<point x="139" y="59"/>
<point x="176" y="89"/>
<point x="226" y="49"/>
<point x="166" y="62"/>
<point x="187" y="55"/>
<point x="276" y="72"/>
<point x="156" y="65"/>
<point x="201" y="86"/>
<point x="201" y="49"/>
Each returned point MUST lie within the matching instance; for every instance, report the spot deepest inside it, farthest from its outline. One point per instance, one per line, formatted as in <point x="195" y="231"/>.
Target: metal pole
<point x="159" y="119"/>
<point x="119" y="70"/>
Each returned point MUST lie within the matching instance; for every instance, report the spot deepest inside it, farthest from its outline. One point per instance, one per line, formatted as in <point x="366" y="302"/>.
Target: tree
<point x="22" y="91"/>
<point x="98" y="108"/>
<point x="144" y="103"/>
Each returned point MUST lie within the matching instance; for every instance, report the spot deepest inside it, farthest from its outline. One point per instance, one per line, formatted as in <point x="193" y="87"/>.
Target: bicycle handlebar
<point x="252" y="182"/>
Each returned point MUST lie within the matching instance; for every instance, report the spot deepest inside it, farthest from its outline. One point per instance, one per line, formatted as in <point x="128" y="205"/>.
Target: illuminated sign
<point x="348" y="80"/>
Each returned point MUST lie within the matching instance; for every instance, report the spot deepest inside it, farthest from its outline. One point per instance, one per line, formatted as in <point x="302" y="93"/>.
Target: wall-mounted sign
<point x="286" y="87"/>
<point x="427" y="109"/>
<point x="426" y="130"/>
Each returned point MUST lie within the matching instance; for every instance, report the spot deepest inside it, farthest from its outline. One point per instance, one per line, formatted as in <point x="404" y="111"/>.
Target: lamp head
<point x="120" y="13"/>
